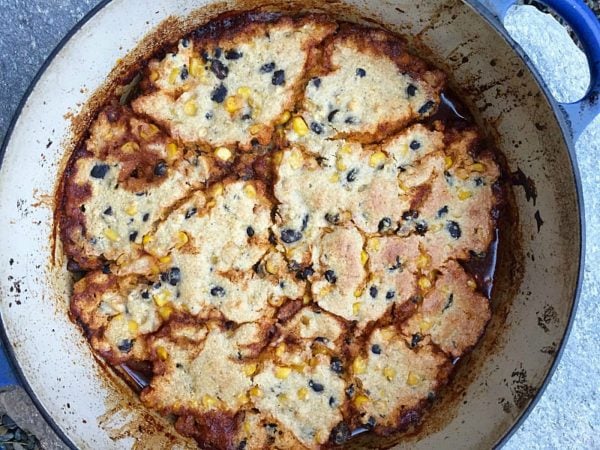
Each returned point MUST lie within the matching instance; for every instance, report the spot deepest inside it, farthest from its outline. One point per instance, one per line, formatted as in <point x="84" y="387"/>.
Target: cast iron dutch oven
<point x="540" y="260"/>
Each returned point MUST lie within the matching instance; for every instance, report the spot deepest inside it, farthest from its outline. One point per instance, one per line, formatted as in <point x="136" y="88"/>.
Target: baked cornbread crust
<point x="275" y="231"/>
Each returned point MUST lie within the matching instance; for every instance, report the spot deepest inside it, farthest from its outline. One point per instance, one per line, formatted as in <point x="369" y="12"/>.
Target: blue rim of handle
<point x="579" y="114"/>
<point x="8" y="374"/>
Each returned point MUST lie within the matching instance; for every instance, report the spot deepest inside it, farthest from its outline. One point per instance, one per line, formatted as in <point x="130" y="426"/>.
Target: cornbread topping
<point x="275" y="225"/>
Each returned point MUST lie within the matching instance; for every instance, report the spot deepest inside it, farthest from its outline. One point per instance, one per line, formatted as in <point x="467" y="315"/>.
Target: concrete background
<point x="567" y="416"/>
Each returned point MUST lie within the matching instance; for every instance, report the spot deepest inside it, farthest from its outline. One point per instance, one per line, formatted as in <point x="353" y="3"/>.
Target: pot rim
<point x="568" y="142"/>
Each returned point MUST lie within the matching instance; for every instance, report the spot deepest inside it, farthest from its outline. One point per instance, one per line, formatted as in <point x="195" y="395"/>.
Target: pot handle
<point x="586" y="26"/>
<point x="8" y="375"/>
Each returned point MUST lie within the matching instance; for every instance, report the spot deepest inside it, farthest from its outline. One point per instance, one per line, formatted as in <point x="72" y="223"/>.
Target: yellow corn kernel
<point x="306" y="299"/>
<point x="360" y="400"/>
<point x="255" y="129"/>
<point x="250" y="369"/>
<point x="477" y="167"/>
<point x="130" y="147"/>
<point x="196" y="68"/>
<point x="111" y="234"/>
<point x="346" y="148"/>
<point x="172" y="151"/>
<point x="377" y="159"/>
<point x="359" y="366"/>
<point x="244" y="91"/>
<point x="173" y="75"/>
<point x="283" y="398"/>
<point x="165" y="312"/>
<point x="296" y="159"/>
<point x="299" y="126"/>
<point x="424" y="283"/>
<point x="165" y="259"/>
<point x="462" y="174"/>
<point x="280" y="350"/>
<point x="216" y="190"/>
<point x="255" y="392"/>
<point x="271" y="267"/>
<point x="364" y="257"/>
<point x="247" y="427"/>
<point x="373" y="244"/>
<point x="131" y="210"/>
<point x="250" y="191"/>
<point x="334" y="178"/>
<point x="471" y="284"/>
<point x="133" y="326"/>
<point x="149" y="131"/>
<point x="190" y="108"/>
<point x="340" y="165"/>
<point x="147" y="239"/>
<point x="162" y="353"/>
<point x="412" y="379"/>
<point x="243" y="398"/>
<point x="448" y="162"/>
<point x="282" y="372"/>
<point x="463" y="194"/>
<point x="162" y="298"/>
<point x="325" y="291"/>
<point x="223" y="153"/>
<point x="182" y="239"/>
<point x="423" y="261"/>
<point x="389" y="373"/>
<point x="284" y="118"/>
<point x="154" y="75"/>
<point x="277" y="157"/>
<point x="302" y="393"/>
<point x="154" y="269"/>
<point x="233" y="103"/>
<point x="208" y="401"/>
<point x="356" y="306"/>
<point x="425" y="325"/>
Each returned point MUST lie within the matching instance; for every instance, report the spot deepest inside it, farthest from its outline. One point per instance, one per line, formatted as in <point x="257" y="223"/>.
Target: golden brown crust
<point x="302" y="282"/>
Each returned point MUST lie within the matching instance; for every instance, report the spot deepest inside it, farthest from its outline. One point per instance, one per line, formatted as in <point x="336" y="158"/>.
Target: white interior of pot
<point x="516" y="354"/>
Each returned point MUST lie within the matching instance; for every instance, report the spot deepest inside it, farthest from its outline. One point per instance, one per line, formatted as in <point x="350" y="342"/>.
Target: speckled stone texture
<point x="567" y="416"/>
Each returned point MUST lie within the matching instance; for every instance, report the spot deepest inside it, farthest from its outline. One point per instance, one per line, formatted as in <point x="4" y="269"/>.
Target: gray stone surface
<point x="568" y="414"/>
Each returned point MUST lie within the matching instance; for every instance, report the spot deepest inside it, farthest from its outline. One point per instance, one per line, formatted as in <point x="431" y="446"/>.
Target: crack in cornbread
<point x="276" y="229"/>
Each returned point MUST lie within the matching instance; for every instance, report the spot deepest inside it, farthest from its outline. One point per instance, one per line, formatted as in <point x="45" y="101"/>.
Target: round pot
<point x="540" y="263"/>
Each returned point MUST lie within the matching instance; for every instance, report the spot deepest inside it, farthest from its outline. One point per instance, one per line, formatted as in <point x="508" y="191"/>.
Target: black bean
<point x="410" y="214"/>
<point x="449" y="302"/>
<point x="278" y="77"/>
<point x="426" y="107"/>
<point x="316" y="82"/>
<point x="336" y="364"/>
<point x="290" y="236"/>
<point x="397" y="265"/>
<point x="174" y="276"/>
<point x="411" y="90"/>
<point x="272" y="238"/>
<point x="133" y="236"/>
<point x="317" y="387"/>
<point x="108" y="211"/>
<point x="217" y="291"/>
<point x="208" y="115"/>
<point x="416" y="338"/>
<point x="106" y="269"/>
<point x="332" y="114"/>
<point x="267" y="68"/>
<point x="304" y="222"/>
<point x="360" y="72"/>
<point x="190" y="212"/>
<point x="160" y="169"/>
<point x="371" y="423"/>
<point x="205" y="55"/>
<point x="390" y="295"/>
<point x="157" y="285"/>
<point x="145" y="295"/>
<point x="184" y="72"/>
<point x="246" y="117"/>
<point x="340" y="433"/>
<point x="333" y="219"/>
<point x="352" y="175"/>
<point x="384" y="223"/>
<point x="421" y="227"/>
<point x="218" y="52"/>
<point x="145" y="217"/>
<point x="321" y="339"/>
<point x="442" y="211"/>
<point x="373" y="291"/>
<point x="454" y="229"/>
<point x="250" y="231"/>
<point x="242" y="445"/>
<point x="185" y="43"/>
<point x="349" y="391"/>
<point x="82" y="208"/>
<point x="99" y="171"/>
<point x="350" y="120"/>
<point x="331" y="401"/>
<point x="219" y="69"/>
<point x="219" y="93"/>
<point x="376" y="348"/>
<point x="126" y="345"/>
<point x="330" y="276"/>
<point x="232" y="54"/>
<point x="415" y="145"/>
<point x="304" y="273"/>
<point x="316" y="127"/>
<point x="478" y="181"/>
